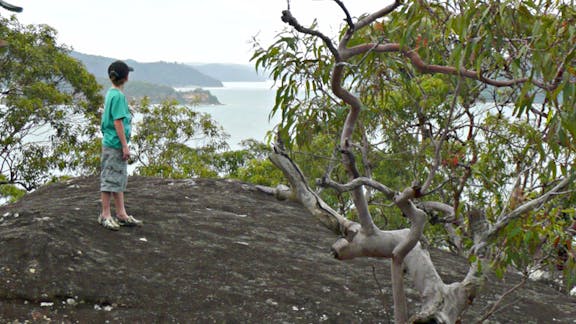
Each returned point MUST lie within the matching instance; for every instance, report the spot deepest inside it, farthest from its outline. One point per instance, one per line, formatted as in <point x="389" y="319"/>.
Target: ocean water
<point x="244" y="113"/>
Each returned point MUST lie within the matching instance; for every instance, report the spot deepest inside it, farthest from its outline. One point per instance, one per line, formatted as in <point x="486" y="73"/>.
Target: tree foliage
<point x="174" y="141"/>
<point x="455" y="107"/>
<point x="44" y="95"/>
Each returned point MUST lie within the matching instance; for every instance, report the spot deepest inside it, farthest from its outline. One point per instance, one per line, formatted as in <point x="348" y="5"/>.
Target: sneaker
<point x="108" y="223"/>
<point x="130" y="221"/>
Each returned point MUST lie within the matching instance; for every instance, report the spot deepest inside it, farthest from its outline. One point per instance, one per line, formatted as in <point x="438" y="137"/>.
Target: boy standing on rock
<point x="116" y="128"/>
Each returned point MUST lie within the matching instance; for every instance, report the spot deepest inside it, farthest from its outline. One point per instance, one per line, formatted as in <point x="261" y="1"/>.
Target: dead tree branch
<point x="10" y="7"/>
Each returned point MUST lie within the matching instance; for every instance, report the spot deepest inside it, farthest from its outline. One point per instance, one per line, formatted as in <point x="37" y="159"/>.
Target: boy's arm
<point x="119" y="126"/>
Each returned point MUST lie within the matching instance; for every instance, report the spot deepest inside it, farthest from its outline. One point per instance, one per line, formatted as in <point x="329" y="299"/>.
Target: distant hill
<point x="230" y="72"/>
<point x="161" y="73"/>
<point x="136" y="90"/>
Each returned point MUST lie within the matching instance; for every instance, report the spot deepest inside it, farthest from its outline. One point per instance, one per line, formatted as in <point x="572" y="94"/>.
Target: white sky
<point x="193" y="31"/>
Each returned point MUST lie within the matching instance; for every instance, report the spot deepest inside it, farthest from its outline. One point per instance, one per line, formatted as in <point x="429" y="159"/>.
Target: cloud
<point x="175" y="30"/>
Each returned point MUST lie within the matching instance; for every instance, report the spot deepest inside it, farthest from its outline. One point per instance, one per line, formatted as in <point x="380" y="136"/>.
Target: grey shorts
<point x="114" y="174"/>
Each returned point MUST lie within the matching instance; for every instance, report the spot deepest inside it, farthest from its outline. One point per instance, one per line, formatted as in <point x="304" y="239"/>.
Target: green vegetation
<point x="176" y="142"/>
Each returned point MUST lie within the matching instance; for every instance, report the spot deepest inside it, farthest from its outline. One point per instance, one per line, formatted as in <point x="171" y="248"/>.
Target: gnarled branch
<point x="357" y="183"/>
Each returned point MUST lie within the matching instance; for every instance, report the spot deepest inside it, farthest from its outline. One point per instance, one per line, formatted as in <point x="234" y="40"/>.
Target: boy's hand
<point x="125" y="153"/>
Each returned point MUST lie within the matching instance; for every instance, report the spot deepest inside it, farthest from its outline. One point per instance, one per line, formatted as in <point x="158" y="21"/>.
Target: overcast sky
<point x="193" y="31"/>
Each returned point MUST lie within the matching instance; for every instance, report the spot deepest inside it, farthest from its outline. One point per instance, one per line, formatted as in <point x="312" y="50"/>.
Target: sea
<point x="245" y="110"/>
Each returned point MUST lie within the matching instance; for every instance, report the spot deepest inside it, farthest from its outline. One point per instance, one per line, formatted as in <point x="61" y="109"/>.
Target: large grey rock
<point x="209" y="251"/>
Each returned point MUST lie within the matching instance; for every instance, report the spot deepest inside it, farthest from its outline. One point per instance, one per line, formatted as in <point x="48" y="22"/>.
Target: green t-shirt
<point x="115" y="107"/>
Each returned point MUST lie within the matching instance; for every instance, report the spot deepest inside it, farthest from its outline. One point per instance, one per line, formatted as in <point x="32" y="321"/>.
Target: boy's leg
<point x="105" y="219"/>
<point x="119" y="204"/>
<point x="122" y="216"/>
<point x="105" y="213"/>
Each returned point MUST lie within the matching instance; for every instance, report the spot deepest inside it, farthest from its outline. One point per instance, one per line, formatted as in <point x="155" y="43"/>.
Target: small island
<point x="199" y="96"/>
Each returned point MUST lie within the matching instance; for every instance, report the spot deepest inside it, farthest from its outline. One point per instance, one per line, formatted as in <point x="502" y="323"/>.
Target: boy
<point x="116" y="128"/>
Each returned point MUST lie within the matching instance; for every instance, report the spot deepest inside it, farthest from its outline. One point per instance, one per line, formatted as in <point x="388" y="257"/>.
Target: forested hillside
<point x="158" y="80"/>
<point x="162" y="73"/>
<point x="136" y="90"/>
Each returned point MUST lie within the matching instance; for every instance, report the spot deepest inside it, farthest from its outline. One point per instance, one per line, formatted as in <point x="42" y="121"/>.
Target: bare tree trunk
<point x="441" y="302"/>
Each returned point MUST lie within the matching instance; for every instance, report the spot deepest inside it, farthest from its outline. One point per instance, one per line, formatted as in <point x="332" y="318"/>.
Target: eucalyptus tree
<point x="458" y="111"/>
<point x="48" y="107"/>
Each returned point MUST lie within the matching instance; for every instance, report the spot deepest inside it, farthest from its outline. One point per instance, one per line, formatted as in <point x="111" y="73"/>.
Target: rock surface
<point x="209" y="251"/>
